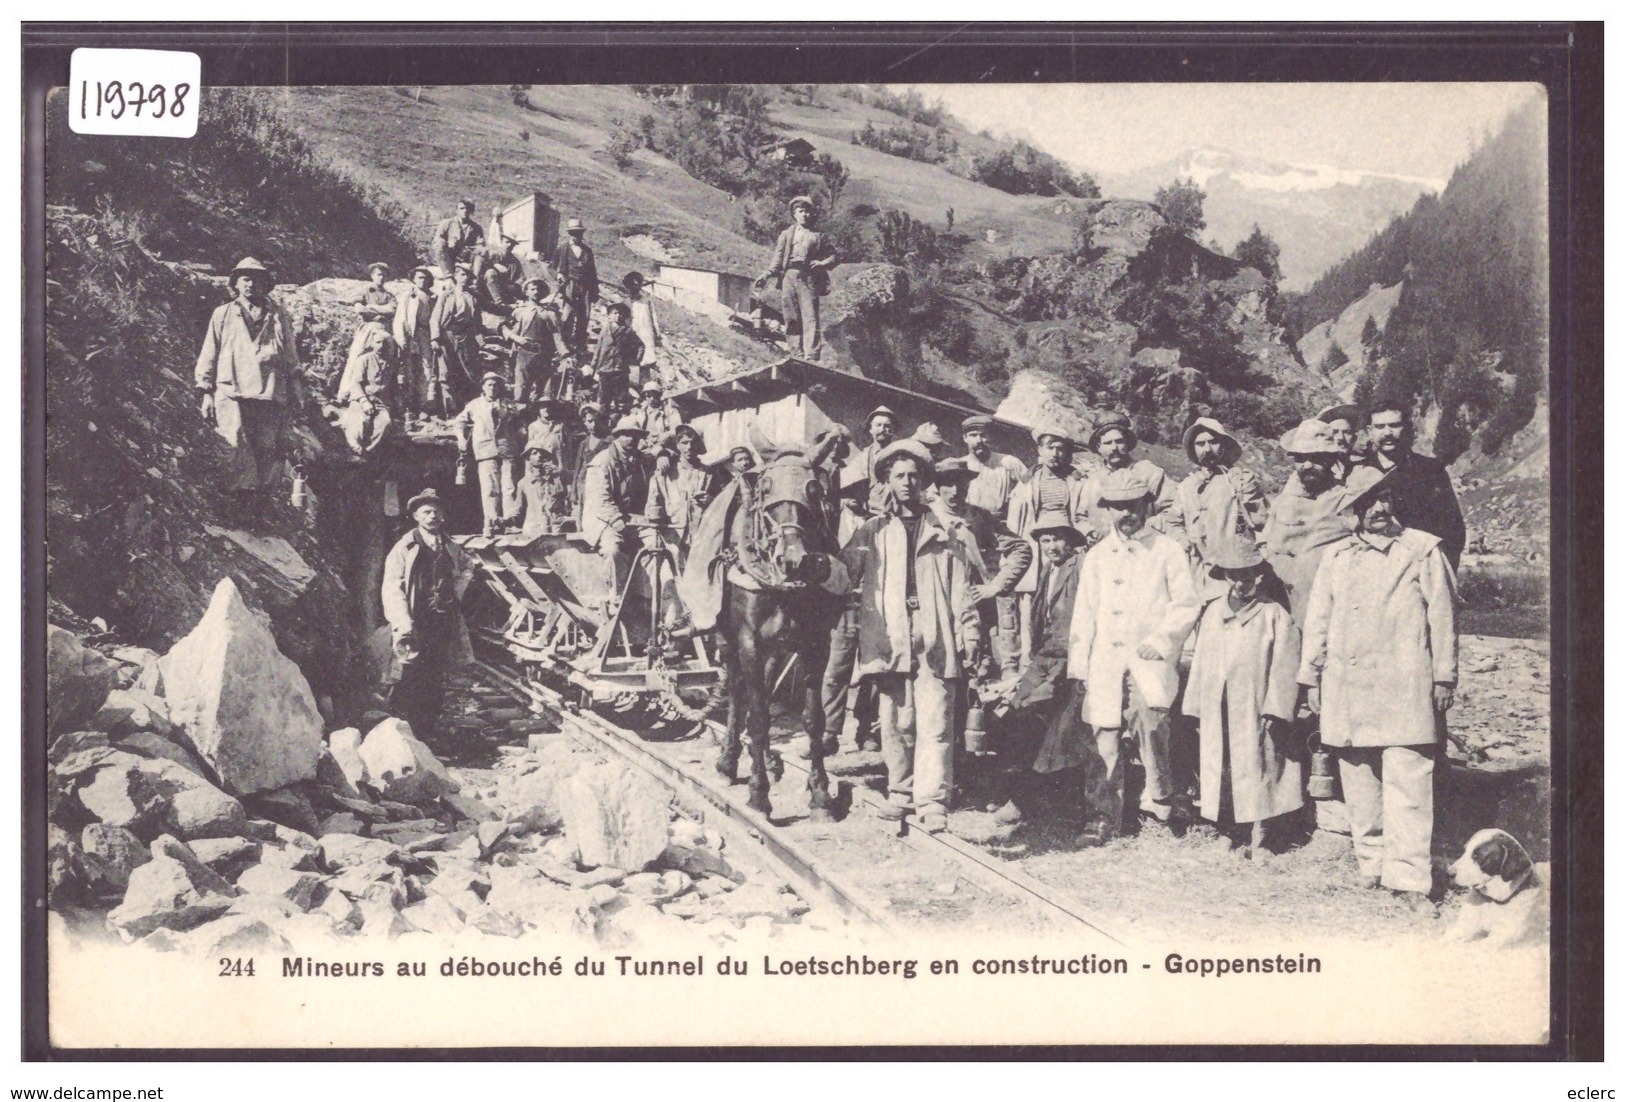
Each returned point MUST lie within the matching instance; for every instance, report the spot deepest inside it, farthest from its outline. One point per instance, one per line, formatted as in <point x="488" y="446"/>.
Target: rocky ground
<point x="194" y="810"/>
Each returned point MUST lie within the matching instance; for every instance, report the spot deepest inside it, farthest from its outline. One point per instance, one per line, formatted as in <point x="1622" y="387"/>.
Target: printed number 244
<point x="236" y="966"/>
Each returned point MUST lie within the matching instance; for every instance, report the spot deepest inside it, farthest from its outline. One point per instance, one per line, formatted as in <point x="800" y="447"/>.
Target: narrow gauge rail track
<point x="798" y="859"/>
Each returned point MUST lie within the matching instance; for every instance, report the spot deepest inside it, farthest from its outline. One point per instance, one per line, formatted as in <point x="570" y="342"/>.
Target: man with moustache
<point x="1113" y="439"/>
<point x="1218" y="501"/>
<point x="1379" y="664"/>
<point x="1420" y="485"/>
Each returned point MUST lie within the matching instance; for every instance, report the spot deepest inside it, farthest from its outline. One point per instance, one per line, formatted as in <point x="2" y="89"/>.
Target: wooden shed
<point x="703" y="289"/>
<point x="795" y="400"/>
<point x="533" y="222"/>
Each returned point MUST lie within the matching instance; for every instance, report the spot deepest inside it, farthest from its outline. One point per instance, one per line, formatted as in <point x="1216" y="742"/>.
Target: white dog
<point x="1508" y="898"/>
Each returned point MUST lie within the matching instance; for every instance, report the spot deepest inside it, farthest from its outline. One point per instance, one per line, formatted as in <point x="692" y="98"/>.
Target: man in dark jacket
<point x="1043" y="688"/>
<point x="800" y="269"/>
<point x="459" y="239"/>
<point x="425" y="575"/>
<point x="577" y="273"/>
<point x="1419" y="484"/>
<point x="618" y="350"/>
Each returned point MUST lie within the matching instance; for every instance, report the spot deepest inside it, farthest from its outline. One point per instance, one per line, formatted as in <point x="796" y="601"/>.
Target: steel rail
<point x="741" y="825"/>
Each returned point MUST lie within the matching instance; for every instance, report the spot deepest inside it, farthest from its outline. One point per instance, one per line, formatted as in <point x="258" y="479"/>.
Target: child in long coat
<point x="1243" y="694"/>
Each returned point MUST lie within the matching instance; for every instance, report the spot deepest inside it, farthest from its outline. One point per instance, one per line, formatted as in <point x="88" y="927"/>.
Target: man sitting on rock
<point x="425" y="575"/>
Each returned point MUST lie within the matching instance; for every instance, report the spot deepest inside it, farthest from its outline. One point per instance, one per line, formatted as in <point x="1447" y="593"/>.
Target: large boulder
<point x="120" y="794"/>
<point x="401" y="767"/>
<point x="344" y="746"/>
<point x="192" y="807"/>
<point x="245" y="705"/>
<point x="162" y="893"/>
<point x="77" y="680"/>
<point x="616" y="817"/>
<point x="111" y="854"/>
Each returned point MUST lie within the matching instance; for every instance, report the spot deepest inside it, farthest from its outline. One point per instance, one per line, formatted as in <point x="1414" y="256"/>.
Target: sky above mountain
<point x="1413" y="129"/>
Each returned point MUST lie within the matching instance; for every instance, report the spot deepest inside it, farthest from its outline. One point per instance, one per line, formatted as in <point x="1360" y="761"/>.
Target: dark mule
<point x="773" y="613"/>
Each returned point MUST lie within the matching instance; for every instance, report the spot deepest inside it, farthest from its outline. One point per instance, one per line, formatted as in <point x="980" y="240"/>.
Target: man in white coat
<point x="1135" y="605"/>
<point x="1379" y="651"/>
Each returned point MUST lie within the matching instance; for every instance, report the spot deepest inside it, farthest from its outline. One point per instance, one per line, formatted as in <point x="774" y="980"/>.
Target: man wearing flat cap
<point x="425" y="575"/>
<point x="455" y="329"/>
<point x="615" y="487"/>
<point x="1379" y="653"/>
<point x="1113" y="439"/>
<point x="577" y="271"/>
<point x="459" y="238"/>
<point x="802" y="260"/>
<point x="544" y="501"/>
<point x="1216" y="502"/>
<point x="421" y="389"/>
<point x="852" y="724"/>
<point x="499" y="286"/>
<point x="489" y="432"/>
<point x="1305" y="518"/>
<point x="1000" y="557"/>
<point x="619" y="352"/>
<point x="249" y="382"/>
<point x="1054" y="487"/>
<point x="1135" y="605"/>
<point x="997" y="474"/>
<point x="644" y="323"/>
<point x="1420" y="484"/>
<point x="533" y="331"/>
<point x="1345" y="420"/>
<point x="377" y="304"/>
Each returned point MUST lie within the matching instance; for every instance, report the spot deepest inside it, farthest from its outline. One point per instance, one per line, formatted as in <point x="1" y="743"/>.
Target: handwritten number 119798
<point x="116" y="97"/>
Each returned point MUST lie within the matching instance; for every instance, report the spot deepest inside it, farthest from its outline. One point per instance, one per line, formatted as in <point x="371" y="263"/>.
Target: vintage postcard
<point x="590" y="565"/>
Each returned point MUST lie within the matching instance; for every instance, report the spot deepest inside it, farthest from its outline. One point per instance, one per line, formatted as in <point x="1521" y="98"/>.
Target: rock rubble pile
<point x="196" y="804"/>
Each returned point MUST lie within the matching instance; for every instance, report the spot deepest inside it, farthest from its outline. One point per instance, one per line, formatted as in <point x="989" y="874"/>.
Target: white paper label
<point x="134" y="92"/>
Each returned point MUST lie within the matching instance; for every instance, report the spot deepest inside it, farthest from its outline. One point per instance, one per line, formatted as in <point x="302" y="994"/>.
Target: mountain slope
<point x="1318" y="214"/>
<point x="1467" y="340"/>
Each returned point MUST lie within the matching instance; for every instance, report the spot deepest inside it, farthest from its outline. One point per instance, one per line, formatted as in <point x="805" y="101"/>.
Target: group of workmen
<point x="1243" y="649"/>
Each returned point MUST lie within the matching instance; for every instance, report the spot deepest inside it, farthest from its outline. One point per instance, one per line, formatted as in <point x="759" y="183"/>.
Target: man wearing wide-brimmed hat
<point x="918" y="631"/>
<point x="852" y="725"/>
<point x="425" y="575"/>
<point x="459" y="238"/>
<point x="802" y="260"/>
<point x="1305" y="518"/>
<point x="455" y="329"/>
<point x="881" y="424"/>
<point x="249" y="380"/>
<point x="1242" y="692"/>
<point x="997" y="474"/>
<point x="1217" y="501"/>
<point x="577" y="273"/>
<point x="658" y="416"/>
<point x="615" y="487"/>
<point x="489" y="431"/>
<point x="1043" y="692"/>
<point x="1379" y="649"/>
<point x="1113" y="440"/>
<point x="533" y="332"/>
<point x="680" y="487"/>
<point x="377" y="303"/>
<point x="1136" y="603"/>
<point x="420" y="382"/>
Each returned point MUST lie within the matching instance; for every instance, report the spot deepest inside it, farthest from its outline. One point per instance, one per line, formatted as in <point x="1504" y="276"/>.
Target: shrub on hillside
<point x="909" y="103"/>
<point x="1021" y="169"/>
<point x="916" y="144"/>
<point x="625" y="139"/>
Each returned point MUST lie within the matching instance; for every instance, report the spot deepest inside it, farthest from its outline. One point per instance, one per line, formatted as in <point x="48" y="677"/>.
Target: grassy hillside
<point x="139" y="235"/>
